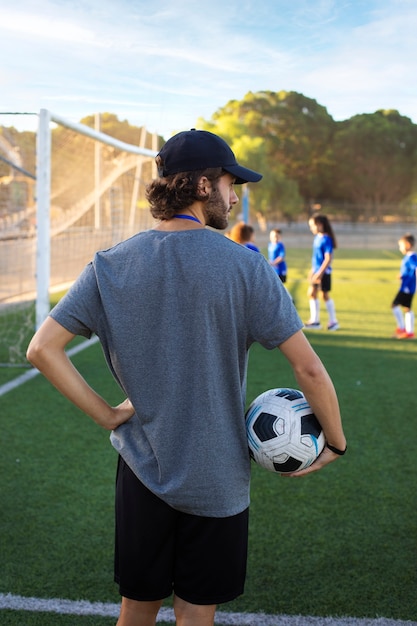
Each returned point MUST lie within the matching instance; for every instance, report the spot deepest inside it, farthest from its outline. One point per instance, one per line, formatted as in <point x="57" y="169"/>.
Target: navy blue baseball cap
<point x="194" y="149"/>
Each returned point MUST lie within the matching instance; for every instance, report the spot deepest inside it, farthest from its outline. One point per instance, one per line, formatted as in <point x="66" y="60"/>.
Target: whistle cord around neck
<point x="186" y="217"/>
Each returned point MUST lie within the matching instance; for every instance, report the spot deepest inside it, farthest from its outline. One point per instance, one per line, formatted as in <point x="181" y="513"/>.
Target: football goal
<point x="80" y="191"/>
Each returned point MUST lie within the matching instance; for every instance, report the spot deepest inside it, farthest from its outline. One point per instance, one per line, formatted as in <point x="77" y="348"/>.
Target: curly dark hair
<point x="174" y="193"/>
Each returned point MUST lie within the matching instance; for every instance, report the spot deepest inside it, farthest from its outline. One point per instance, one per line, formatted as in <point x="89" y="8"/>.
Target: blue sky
<point x="164" y="64"/>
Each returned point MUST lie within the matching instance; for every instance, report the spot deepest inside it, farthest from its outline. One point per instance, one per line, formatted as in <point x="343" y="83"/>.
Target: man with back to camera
<point x="176" y="309"/>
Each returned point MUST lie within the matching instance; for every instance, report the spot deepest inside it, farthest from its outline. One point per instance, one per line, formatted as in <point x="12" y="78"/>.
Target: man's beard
<point x="216" y="211"/>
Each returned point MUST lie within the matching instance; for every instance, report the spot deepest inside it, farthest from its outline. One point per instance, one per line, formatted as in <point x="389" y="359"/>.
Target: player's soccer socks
<point x="331" y="310"/>
<point x="314" y="321"/>
<point x="409" y="322"/>
<point x="314" y="311"/>
<point x="398" y="314"/>
<point x="405" y="328"/>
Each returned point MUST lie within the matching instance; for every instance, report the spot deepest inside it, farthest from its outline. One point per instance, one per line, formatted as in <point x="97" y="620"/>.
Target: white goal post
<point x="43" y="187"/>
<point x="67" y="190"/>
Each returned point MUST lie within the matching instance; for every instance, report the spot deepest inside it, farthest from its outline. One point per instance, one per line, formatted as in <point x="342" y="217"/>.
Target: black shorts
<point x="326" y="283"/>
<point x="160" y="551"/>
<point x="403" y="299"/>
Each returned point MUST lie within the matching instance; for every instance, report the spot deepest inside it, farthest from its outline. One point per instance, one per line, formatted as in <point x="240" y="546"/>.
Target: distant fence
<point x="349" y="235"/>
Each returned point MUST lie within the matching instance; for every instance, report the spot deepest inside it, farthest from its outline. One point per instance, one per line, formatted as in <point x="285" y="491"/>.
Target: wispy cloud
<point x="41" y="29"/>
<point x="168" y="64"/>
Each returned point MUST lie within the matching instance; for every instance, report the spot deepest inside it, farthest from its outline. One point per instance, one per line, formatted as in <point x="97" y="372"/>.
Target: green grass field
<point x="342" y="542"/>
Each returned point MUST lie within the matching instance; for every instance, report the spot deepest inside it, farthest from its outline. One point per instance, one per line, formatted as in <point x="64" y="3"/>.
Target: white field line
<point x="103" y="609"/>
<point x="20" y="380"/>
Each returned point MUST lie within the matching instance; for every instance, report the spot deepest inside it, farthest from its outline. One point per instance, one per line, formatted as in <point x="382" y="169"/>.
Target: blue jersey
<point x="408" y="273"/>
<point x="276" y="250"/>
<point x="322" y="244"/>
<point x="251" y="246"/>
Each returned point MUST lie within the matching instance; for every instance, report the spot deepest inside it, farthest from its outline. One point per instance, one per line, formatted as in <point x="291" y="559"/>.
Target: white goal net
<point x="79" y="191"/>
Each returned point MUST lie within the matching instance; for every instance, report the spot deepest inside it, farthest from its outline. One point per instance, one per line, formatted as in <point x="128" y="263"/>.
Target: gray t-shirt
<point x="176" y="313"/>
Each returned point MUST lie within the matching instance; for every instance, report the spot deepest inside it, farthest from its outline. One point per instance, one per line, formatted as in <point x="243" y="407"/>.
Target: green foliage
<point x="340" y="542"/>
<point x="26" y="144"/>
<point x="295" y="131"/>
<point x="240" y="125"/>
<point x="374" y="159"/>
<point x="110" y="124"/>
<point x="367" y="163"/>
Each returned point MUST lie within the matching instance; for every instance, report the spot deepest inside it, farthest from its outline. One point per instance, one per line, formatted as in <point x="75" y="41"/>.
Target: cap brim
<point x="243" y="174"/>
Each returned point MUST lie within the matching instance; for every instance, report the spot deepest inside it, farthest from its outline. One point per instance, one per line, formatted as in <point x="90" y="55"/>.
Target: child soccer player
<point x="245" y="235"/>
<point x="276" y="254"/>
<point x="321" y="271"/>
<point x="401" y="305"/>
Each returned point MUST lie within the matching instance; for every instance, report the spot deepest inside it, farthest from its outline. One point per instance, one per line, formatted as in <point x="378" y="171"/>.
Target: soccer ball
<point x="283" y="433"/>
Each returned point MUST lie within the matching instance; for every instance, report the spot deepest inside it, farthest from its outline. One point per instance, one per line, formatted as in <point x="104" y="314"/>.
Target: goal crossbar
<point x="95" y="134"/>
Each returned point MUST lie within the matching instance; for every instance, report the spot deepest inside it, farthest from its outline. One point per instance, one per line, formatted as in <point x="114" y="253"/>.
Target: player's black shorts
<point x="403" y="299"/>
<point x="160" y="550"/>
<point x="326" y="282"/>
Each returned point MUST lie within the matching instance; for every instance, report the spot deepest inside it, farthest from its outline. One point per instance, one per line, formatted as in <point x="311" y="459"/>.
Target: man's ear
<point x="204" y="186"/>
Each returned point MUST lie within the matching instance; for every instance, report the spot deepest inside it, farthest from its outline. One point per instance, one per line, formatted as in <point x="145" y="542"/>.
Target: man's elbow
<point x="313" y="370"/>
<point x="35" y="353"/>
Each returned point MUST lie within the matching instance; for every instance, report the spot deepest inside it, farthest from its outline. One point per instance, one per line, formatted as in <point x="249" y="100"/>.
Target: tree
<point x="297" y="132"/>
<point x="278" y="195"/>
<point x="119" y="129"/>
<point x="374" y="160"/>
<point x="25" y="142"/>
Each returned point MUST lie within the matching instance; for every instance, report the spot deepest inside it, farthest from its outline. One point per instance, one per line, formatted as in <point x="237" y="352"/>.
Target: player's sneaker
<point x="405" y="335"/>
<point x="312" y="325"/>
<point x="333" y="326"/>
<point x="398" y="332"/>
